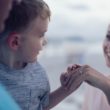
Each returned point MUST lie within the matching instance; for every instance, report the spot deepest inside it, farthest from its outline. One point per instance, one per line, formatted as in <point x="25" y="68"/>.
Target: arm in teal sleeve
<point x="6" y="101"/>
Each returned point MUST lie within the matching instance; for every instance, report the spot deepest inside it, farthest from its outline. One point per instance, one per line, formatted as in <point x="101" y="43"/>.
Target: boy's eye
<point x="42" y="35"/>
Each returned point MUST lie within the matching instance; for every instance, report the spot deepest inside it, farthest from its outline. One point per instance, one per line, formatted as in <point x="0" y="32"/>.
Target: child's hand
<point x="73" y="78"/>
<point x="66" y="75"/>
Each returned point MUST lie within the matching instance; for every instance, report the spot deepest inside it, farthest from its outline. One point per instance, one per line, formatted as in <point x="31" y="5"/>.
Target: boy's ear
<point x="13" y="40"/>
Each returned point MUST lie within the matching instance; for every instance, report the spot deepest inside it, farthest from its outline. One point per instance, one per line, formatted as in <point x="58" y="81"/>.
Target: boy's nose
<point x="44" y="42"/>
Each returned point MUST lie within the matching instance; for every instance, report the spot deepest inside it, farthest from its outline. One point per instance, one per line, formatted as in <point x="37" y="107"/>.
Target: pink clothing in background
<point x="95" y="99"/>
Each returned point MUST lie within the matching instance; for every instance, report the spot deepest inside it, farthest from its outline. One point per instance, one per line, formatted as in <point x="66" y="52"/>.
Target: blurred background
<point x="76" y="33"/>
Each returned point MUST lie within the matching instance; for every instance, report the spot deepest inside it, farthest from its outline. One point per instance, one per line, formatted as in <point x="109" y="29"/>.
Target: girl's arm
<point x="98" y="80"/>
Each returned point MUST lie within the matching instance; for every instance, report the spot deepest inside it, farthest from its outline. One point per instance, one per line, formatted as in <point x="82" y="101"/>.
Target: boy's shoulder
<point x="37" y="65"/>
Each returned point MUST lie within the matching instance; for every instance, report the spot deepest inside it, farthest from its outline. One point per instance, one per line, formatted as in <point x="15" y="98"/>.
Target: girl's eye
<point x="108" y="37"/>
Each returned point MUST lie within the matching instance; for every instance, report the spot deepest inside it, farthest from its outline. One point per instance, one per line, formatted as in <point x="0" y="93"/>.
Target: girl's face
<point x="106" y="47"/>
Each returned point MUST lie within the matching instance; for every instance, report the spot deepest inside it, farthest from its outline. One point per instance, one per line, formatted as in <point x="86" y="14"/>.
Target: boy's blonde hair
<point x="25" y="12"/>
<point x="18" y="21"/>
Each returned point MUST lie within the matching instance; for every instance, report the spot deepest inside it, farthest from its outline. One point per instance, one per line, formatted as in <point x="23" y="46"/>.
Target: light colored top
<point x="28" y="86"/>
<point x="95" y="99"/>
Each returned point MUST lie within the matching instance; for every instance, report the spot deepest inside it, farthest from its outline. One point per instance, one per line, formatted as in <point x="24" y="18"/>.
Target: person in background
<point x="5" y="7"/>
<point x="6" y="101"/>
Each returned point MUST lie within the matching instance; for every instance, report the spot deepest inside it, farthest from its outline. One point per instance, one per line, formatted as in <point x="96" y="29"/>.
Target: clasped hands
<point x="75" y="76"/>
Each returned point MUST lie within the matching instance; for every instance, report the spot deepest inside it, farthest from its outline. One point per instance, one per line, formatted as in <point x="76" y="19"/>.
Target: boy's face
<point x="5" y="7"/>
<point x="33" y="40"/>
<point x="106" y="47"/>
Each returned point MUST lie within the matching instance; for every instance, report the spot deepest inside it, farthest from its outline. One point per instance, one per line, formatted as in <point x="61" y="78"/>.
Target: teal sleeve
<point x="6" y="101"/>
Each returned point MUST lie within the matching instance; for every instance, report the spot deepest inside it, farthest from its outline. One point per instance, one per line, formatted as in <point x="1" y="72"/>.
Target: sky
<point x="86" y="18"/>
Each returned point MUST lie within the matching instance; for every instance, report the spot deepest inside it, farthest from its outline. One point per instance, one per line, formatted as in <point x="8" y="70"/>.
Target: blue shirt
<point x="28" y="86"/>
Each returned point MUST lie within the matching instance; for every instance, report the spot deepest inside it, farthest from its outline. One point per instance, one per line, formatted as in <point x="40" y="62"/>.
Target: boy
<point x="20" y="43"/>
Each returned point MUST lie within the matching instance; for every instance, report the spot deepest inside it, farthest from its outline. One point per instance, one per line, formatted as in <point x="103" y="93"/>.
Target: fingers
<point x="70" y="77"/>
<point x="73" y="73"/>
<point x="75" y="77"/>
<point x="81" y="70"/>
<point x="71" y="81"/>
<point x="77" y="83"/>
<point x="70" y="68"/>
<point x="64" y="78"/>
<point x="73" y="67"/>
